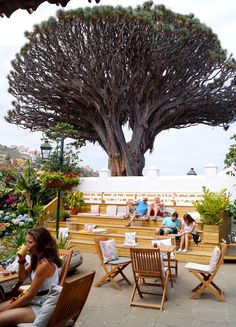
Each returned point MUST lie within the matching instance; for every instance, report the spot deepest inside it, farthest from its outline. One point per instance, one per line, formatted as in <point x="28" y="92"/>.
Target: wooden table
<point x="6" y="276"/>
<point x="168" y="249"/>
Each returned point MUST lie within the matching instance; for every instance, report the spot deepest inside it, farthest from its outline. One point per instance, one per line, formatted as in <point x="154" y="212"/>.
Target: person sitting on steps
<point x="186" y="232"/>
<point x="169" y="225"/>
<point x="140" y="210"/>
<point x="156" y="207"/>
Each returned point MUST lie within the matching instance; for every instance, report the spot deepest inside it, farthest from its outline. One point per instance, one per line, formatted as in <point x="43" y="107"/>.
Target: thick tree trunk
<point x="125" y="159"/>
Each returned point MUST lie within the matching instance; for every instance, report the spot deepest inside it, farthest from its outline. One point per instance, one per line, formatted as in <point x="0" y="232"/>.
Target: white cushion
<point x="89" y="227"/>
<point x="166" y="241"/>
<point x="99" y="231"/>
<point x="95" y="208"/>
<point x="111" y="210"/>
<point x="215" y="257"/>
<point x="47" y="308"/>
<point x="197" y="266"/>
<point x="130" y="239"/>
<point x="121" y="211"/>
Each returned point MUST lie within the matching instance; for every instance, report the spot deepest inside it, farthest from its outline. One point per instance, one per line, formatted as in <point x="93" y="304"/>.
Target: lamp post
<point x="46" y="152"/>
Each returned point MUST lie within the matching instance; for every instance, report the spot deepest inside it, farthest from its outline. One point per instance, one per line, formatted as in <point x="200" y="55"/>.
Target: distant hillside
<point x="16" y="152"/>
<point x="21" y="152"/>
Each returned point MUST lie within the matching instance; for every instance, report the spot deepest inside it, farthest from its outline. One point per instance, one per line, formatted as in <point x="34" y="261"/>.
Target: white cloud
<point x="176" y="151"/>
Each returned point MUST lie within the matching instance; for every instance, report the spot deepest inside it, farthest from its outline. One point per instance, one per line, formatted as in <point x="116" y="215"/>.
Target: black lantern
<point x="46" y="150"/>
<point x="192" y="172"/>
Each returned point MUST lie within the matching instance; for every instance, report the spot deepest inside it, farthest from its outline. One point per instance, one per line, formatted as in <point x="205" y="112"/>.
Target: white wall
<point x="172" y="187"/>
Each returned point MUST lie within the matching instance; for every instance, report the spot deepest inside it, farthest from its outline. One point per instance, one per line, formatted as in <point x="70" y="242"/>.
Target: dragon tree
<point x="105" y="68"/>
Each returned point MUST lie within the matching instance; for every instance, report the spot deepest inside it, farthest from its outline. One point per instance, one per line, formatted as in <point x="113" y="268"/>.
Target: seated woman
<point x="43" y="270"/>
<point x="187" y="229"/>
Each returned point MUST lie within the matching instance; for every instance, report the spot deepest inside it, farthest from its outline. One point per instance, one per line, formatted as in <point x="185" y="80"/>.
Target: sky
<point x="175" y="151"/>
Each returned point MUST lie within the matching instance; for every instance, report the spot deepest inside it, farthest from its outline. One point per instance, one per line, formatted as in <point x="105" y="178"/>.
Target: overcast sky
<point x="176" y="151"/>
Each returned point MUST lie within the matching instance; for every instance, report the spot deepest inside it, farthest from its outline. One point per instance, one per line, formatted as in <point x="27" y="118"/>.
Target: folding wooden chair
<point x="165" y="240"/>
<point x="149" y="272"/>
<point x="66" y="255"/>
<point x="206" y="273"/>
<point x="72" y="299"/>
<point x="111" y="268"/>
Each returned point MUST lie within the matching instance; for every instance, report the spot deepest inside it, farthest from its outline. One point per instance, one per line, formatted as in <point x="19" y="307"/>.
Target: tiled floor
<point x="108" y="307"/>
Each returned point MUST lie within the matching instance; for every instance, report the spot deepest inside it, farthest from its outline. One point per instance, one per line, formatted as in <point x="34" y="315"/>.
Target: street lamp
<point x="46" y="152"/>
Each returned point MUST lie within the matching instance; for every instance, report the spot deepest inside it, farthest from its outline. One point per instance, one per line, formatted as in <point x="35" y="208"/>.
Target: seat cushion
<point x="111" y="210"/>
<point x="108" y="249"/>
<point x="215" y="257"/>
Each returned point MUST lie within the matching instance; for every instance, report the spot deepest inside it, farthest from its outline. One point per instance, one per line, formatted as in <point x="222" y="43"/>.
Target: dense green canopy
<point x="103" y="68"/>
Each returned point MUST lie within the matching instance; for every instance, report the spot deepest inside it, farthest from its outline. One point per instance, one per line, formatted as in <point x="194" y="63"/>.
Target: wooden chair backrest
<point x="98" y="247"/>
<point x="72" y="299"/>
<point x="221" y="260"/>
<point x="146" y="262"/>
<point x="65" y="265"/>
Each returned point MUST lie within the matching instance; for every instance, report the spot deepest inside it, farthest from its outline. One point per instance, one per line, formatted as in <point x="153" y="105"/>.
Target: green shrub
<point x="213" y="206"/>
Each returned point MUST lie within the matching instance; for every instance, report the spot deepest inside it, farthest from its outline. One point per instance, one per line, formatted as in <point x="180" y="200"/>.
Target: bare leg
<point x="182" y="241"/>
<point x="129" y="207"/>
<point x="187" y="236"/>
<point x="16" y="316"/>
<point x="156" y="210"/>
<point x="157" y="231"/>
<point x="149" y="210"/>
<point x="166" y="231"/>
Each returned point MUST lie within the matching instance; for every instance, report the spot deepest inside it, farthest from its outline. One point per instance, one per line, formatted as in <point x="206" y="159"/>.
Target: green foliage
<point x="62" y="241"/>
<point x="14" y="228"/>
<point x="62" y="166"/>
<point x="58" y="180"/>
<point x="213" y="206"/>
<point x="232" y="210"/>
<point x="74" y="200"/>
<point x="230" y="160"/>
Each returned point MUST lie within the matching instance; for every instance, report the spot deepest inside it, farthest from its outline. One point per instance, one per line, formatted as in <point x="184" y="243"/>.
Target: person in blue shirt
<point x="140" y="210"/>
<point x="169" y="225"/>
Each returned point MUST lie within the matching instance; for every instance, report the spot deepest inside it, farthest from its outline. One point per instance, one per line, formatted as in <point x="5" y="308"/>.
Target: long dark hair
<point x="46" y="246"/>
<point x="188" y="219"/>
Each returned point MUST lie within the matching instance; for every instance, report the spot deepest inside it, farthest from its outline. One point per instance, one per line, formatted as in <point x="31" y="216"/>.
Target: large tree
<point x="104" y="68"/>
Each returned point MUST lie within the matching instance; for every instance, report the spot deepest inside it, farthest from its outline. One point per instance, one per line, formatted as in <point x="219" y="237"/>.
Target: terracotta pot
<point x="73" y="211"/>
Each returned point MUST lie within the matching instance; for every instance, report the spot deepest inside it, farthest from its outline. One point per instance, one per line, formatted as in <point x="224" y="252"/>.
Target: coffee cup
<point x="22" y="251"/>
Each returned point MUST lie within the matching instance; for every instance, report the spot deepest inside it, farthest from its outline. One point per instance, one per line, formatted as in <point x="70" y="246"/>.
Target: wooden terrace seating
<point x="111" y="268"/>
<point x="206" y="274"/>
<point x="147" y="266"/>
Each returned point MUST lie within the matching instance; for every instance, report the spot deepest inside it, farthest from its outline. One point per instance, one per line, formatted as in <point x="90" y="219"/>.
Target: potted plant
<point x="214" y="218"/>
<point x="58" y="180"/>
<point x="74" y="201"/>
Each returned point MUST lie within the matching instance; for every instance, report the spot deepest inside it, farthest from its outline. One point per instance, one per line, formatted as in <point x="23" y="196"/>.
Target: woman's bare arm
<point x="43" y="271"/>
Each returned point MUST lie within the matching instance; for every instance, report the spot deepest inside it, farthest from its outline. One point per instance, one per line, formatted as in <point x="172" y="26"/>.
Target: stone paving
<point x="108" y="307"/>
